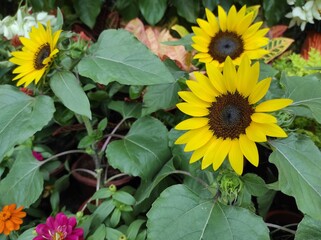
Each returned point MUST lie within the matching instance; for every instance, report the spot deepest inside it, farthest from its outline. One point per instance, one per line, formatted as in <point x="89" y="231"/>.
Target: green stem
<point x="61" y="154"/>
<point x="190" y="175"/>
<point x="111" y="135"/>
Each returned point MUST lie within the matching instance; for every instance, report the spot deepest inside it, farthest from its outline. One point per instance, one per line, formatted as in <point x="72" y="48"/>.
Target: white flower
<point x="291" y="2"/>
<point x="23" y="21"/>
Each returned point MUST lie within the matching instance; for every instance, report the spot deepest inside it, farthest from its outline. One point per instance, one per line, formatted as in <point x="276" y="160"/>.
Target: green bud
<point x="112" y="188"/>
<point x="230" y="185"/>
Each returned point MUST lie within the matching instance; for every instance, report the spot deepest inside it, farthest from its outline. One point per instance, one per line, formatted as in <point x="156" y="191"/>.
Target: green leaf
<point x="24" y="183"/>
<point x="178" y="208"/>
<point x="28" y="234"/>
<point x="306" y="94"/>
<point x="102" y="193"/>
<point x="128" y="61"/>
<point x="308" y="228"/>
<point x="298" y="161"/>
<point x="100" y="233"/>
<point x="67" y="88"/>
<point x="115" y="217"/>
<point x="126" y="109"/>
<point x="146" y="187"/>
<point x="133" y="229"/>
<point x="254" y="184"/>
<point x="113" y="234"/>
<point x="88" y="10"/>
<point x="124" y="198"/>
<point x="163" y="96"/>
<point x="21" y="116"/>
<point x="274" y="10"/>
<point x="143" y="151"/>
<point x="152" y="10"/>
<point x="187" y="9"/>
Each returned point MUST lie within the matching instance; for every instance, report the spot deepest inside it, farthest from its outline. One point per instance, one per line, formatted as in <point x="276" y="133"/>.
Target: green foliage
<point x="295" y="65"/>
<point x="298" y="161"/>
<point x="308" y="228"/>
<point x="143" y="151"/>
<point x="152" y="10"/>
<point x="128" y="61"/>
<point x="200" y="218"/>
<point x="22" y="116"/>
<point x="88" y="10"/>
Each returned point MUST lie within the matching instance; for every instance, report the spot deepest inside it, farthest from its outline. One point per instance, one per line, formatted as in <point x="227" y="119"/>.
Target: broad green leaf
<point x="152" y="10"/>
<point x="67" y="88"/>
<point x="306" y="94"/>
<point x="88" y="10"/>
<point x="126" y="109"/>
<point x="21" y="116"/>
<point x="162" y="96"/>
<point x="298" y="161"/>
<point x="180" y="213"/>
<point x="308" y="228"/>
<point x="146" y="187"/>
<point x="276" y="47"/>
<point x="254" y="184"/>
<point x="143" y="151"/>
<point x="187" y="9"/>
<point x="210" y="4"/>
<point x="119" y="56"/>
<point x="24" y="183"/>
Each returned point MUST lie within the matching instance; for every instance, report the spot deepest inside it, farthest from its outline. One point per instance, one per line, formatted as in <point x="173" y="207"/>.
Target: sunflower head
<point x="227" y="115"/>
<point x="36" y="55"/>
<point x="231" y="35"/>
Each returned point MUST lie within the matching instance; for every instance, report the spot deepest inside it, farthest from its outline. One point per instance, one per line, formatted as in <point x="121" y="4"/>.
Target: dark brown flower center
<point x="42" y="54"/>
<point x="225" y="44"/>
<point x="230" y="115"/>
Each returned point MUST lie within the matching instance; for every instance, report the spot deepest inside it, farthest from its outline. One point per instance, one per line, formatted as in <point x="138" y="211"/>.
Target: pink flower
<point x="37" y="155"/>
<point x="59" y="228"/>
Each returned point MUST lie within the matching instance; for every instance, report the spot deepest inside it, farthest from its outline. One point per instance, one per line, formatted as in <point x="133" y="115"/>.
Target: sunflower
<point x="231" y="34"/>
<point x="227" y="119"/>
<point x="36" y="55"/>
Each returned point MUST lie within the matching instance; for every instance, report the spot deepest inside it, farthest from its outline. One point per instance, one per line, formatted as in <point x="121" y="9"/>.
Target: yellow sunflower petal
<point x="200" y="138"/>
<point x="212" y="20"/>
<point x="244" y="24"/>
<point x="263" y="118"/>
<point x="192" y="110"/>
<point x="193" y="99"/>
<point x="260" y="90"/>
<point x="257" y="53"/>
<point x="199" y="153"/>
<point x="208" y="28"/>
<point x="255" y="133"/>
<point x="232" y="19"/>
<point x="201" y="91"/>
<point x="184" y="138"/>
<point x="273" y="105"/>
<point x="273" y="130"/>
<point x="200" y="48"/>
<point x="251" y="30"/>
<point x="192" y="123"/>
<point x="216" y="78"/>
<point x="204" y="57"/>
<point x="200" y="32"/>
<point x="205" y="82"/>
<point x="221" y="153"/>
<point x="249" y="150"/>
<point x="201" y="40"/>
<point x="208" y="156"/>
<point x="247" y="76"/>
<point x="229" y="75"/>
<point x="236" y="157"/>
<point x="222" y="18"/>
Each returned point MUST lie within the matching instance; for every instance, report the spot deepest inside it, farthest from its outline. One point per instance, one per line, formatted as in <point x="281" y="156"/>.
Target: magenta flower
<point x="37" y="155"/>
<point x="59" y="228"/>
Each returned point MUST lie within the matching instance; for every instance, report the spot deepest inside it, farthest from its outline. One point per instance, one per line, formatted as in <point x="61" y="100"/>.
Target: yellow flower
<point x="226" y="119"/>
<point x="11" y="218"/>
<point x="36" y="55"/>
<point x="231" y="34"/>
